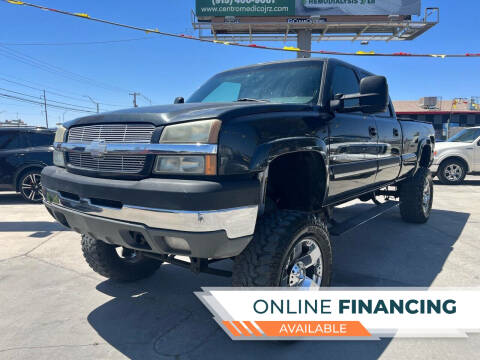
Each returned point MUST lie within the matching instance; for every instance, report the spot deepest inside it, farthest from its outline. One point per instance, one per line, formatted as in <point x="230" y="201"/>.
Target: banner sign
<point x="272" y="8"/>
<point x="340" y="313"/>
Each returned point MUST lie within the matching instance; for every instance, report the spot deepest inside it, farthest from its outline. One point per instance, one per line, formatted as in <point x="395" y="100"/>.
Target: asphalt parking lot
<point x="54" y="306"/>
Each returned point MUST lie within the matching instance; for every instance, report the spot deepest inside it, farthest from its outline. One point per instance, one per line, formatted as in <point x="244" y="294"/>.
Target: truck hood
<point x="175" y="113"/>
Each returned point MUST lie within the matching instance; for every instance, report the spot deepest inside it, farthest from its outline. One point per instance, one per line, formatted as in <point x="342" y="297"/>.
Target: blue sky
<point x="162" y="68"/>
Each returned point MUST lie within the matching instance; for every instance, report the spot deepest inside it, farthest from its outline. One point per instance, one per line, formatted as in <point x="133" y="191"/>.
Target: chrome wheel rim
<point x="427" y="196"/>
<point x="32" y="188"/>
<point x="453" y="172"/>
<point x="303" y="266"/>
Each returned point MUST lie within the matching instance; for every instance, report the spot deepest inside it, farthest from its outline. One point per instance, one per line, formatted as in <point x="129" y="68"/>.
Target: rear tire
<point x="104" y="260"/>
<point x="452" y="172"/>
<point x="267" y="261"/>
<point x="30" y="187"/>
<point x="416" y="197"/>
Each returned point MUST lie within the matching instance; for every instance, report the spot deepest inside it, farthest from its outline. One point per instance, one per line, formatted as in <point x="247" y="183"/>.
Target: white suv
<point x="457" y="157"/>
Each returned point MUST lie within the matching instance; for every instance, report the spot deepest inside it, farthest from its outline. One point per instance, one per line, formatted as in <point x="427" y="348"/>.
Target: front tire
<point x="104" y="260"/>
<point x="452" y="172"/>
<point x="416" y="197"/>
<point x="290" y="249"/>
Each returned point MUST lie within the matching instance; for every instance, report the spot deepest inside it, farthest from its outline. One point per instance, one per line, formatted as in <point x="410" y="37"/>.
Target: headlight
<point x="196" y="132"/>
<point x="186" y="164"/>
<point x="60" y="134"/>
<point x="58" y="157"/>
<point x="205" y="132"/>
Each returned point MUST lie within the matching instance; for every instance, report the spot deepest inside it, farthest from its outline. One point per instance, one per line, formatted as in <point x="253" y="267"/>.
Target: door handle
<point x="395" y="132"/>
<point x="372" y="131"/>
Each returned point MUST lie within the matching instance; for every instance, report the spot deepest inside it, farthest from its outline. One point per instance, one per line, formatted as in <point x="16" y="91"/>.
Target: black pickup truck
<point x="248" y="168"/>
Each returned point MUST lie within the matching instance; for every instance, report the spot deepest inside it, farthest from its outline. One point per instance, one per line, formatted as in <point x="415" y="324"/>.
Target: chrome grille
<point x="110" y="133"/>
<point x="110" y="163"/>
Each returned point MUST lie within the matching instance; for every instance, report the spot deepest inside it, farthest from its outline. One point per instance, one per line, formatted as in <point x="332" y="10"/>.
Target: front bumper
<point x="434" y="168"/>
<point x="114" y="211"/>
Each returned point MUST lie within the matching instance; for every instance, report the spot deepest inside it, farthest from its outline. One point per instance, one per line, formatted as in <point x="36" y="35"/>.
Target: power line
<point x="7" y="96"/>
<point x="74" y="43"/>
<point x="254" y="46"/>
<point x="50" y="91"/>
<point x="53" y="69"/>
<point x="33" y="96"/>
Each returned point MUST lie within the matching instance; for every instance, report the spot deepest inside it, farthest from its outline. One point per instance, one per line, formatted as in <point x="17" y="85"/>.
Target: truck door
<point x="389" y="146"/>
<point x="352" y="141"/>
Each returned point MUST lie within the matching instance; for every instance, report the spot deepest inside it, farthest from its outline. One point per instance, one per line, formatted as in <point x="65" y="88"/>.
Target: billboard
<point x="275" y="8"/>
<point x="357" y="7"/>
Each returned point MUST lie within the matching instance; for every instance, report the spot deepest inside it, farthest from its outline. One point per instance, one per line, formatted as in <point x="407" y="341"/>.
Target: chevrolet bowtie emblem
<point x="98" y="149"/>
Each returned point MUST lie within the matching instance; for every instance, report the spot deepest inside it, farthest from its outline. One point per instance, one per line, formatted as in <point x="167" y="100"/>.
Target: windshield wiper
<point x="251" y="99"/>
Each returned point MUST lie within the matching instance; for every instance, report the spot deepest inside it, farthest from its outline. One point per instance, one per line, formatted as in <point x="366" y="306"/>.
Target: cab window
<point x="11" y="140"/>
<point x="40" y="139"/>
<point x="345" y="81"/>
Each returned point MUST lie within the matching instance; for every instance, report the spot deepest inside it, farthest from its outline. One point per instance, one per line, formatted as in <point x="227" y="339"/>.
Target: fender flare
<point x="270" y="151"/>
<point x="267" y="152"/>
<point x="421" y="146"/>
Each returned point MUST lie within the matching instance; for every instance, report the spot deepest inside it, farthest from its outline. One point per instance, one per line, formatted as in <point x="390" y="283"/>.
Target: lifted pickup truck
<point x="249" y="168"/>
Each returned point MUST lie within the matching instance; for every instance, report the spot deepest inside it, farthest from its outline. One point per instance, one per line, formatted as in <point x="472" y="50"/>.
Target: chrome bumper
<point x="101" y="148"/>
<point x="237" y="222"/>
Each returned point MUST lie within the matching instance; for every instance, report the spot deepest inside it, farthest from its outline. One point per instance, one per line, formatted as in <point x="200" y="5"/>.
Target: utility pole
<point x="135" y="98"/>
<point x="45" y="105"/>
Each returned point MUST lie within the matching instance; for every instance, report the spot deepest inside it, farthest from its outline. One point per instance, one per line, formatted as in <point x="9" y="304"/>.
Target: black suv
<point x="24" y="152"/>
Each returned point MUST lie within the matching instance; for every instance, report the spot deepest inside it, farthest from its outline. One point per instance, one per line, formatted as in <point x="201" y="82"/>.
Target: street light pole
<point x="63" y="116"/>
<point x="93" y="101"/>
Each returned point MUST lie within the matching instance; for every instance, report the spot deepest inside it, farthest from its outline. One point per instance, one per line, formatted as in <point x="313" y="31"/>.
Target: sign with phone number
<point x="268" y="8"/>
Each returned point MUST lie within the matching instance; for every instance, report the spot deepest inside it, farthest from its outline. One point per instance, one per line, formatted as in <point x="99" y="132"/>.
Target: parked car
<point x="457" y="157"/>
<point x="249" y="168"/>
<point x="24" y="152"/>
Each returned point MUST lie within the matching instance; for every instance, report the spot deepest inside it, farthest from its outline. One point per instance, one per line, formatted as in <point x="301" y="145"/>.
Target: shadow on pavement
<point x="465" y="182"/>
<point x="471" y="182"/>
<point x="11" y="198"/>
<point x="161" y="316"/>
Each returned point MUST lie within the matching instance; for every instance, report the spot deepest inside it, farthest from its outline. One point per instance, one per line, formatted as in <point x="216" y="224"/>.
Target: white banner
<point x="356" y="313"/>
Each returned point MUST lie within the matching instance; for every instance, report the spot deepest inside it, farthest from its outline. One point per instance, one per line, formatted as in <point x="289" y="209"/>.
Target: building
<point x="12" y="123"/>
<point x="447" y="116"/>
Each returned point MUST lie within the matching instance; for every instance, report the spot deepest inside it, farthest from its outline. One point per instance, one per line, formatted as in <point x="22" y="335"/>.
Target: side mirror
<point x="179" y="100"/>
<point x="373" y="97"/>
<point x="374" y="94"/>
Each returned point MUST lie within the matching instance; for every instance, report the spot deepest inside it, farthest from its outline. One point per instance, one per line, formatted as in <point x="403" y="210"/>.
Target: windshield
<point x="295" y="83"/>
<point x="467" y="136"/>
